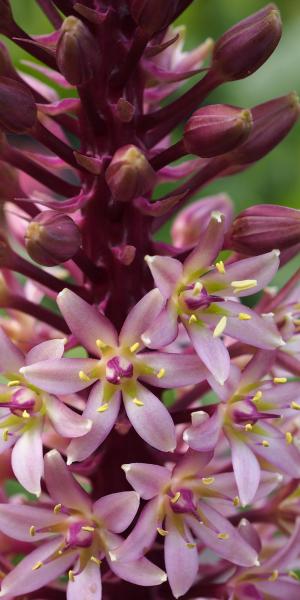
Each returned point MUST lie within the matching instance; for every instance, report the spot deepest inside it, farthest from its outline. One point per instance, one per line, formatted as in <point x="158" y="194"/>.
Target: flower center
<point x="118" y="368"/>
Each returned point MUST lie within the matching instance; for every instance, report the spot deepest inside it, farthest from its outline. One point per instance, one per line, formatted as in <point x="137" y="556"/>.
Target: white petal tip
<point x="126" y="468"/>
<point x="279" y="477"/>
<point x="186" y="436"/>
<point x="70" y="461"/>
<point x="112" y="556"/>
<point x="198" y="417"/>
<point x="164" y="578"/>
<point x="149" y="259"/>
<point x="22" y="370"/>
<point x="257" y="563"/>
<point x="146" y="340"/>
<point x="276" y="252"/>
<point x="217" y="216"/>
<point x="243" y="522"/>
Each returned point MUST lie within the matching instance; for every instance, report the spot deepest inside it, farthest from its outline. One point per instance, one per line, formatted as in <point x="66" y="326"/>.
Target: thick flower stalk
<point x="148" y="388"/>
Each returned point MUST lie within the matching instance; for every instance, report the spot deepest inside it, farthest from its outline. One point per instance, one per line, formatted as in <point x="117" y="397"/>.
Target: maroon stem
<point x="284" y="292"/>
<point x="27" y="44"/>
<point x="87" y="266"/>
<point x="38" y="312"/>
<point x="65" y="6"/>
<point x="289" y="362"/>
<point x="133" y="57"/>
<point x="186" y="399"/>
<point x="51" y="12"/>
<point x="167" y="156"/>
<point x="57" y="146"/>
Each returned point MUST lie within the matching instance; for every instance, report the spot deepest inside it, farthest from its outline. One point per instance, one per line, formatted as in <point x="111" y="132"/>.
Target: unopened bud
<point x="77" y="53"/>
<point x="262" y="228"/>
<point x="17" y="107"/>
<point x="129" y="174"/>
<point x="52" y="238"/>
<point x="216" y="129"/>
<point x="153" y="15"/>
<point x="248" y="44"/>
<point x="191" y="223"/>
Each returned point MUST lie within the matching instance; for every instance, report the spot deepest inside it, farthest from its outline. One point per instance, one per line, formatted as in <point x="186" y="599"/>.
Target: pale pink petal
<point x="61" y="484"/>
<point x="164" y="330"/>
<point x="16" y="520"/>
<point x="250" y="534"/>
<point x="211" y="350"/>
<point x="49" y="350"/>
<point x="147" y="480"/>
<point x="140" y="572"/>
<point x="181" y="560"/>
<point x="66" y="421"/>
<point x="11" y="358"/>
<point x="192" y="464"/>
<point x="288" y="554"/>
<point x="141" y="317"/>
<point x="285" y="457"/>
<point x="152" y="421"/>
<point x="60" y="376"/>
<point x="86" y="585"/>
<point x="257" y="367"/>
<point x="246" y="470"/>
<point x="103" y="423"/>
<point x="141" y="539"/>
<point x="208" y="248"/>
<point x="27" y="459"/>
<point x="277" y="590"/>
<point x="85" y="322"/>
<point x="205" y="436"/>
<point x="283" y="395"/>
<point x="258" y="331"/>
<point x="179" y="369"/>
<point x="117" y="511"/>
<point x="166" y="272"/>
<point x="22" y="579"/>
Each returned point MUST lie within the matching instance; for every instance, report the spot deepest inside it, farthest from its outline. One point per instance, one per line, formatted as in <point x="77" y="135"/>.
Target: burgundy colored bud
<point x="248" y="44"/>
<point x="272" y="121"/>
<point x="262" y="228"/>
<point x="153" y="15"/>
<point x="77" y="53"/>
<point x="52" y="238"/>
<point x="17" y="107"/>
<point x="216" y="129"/>
<point x="129" y="174"/>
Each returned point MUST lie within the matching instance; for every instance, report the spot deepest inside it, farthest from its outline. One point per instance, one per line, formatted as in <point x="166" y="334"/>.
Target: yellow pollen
<point x="244" y="284"/>
<point x="295" y="405"/>
<point x="265" y="443"/>
<point x="5" y="435"/>
<point x="134" y="347"/>
<point x="13" y="383"/>
<point x="257" y="397"/>
<point x="289" y="438"/>
<point x="88" y="528"/>
<point x="197" y="288"/>
<point x="248" y="427"/>
<point x="220" y="267"/>
<point x="57" y="508"/>
<point x="60" y="552"/>
<point x="193" y="319"/>
<point x="220" y="327"/>
<point x="32" y="530"/>
<point x="208" y="480"/>
<point x="175" y="498"/>
<point x="274" y="575"/>
<point x="191" y="545"/>
<point x="25" y="414"/>
<point x="37" y="565"/>
<point x="244" y="317"/>
<point x="96" y="560"/>
<point x="83" y="376"/>
<point x="101" y="345"/>
<point x="236" y="501"/>
<point x="162" y="532"/>
<point x="137" y="402"/>
<point x="71" y="576"/>
<point x="161" y="373"/>
<point x="223" y="536"/>
<point x="103" y="408"/>
<point x="296" y="321"/>
<point x="280" y="380"/>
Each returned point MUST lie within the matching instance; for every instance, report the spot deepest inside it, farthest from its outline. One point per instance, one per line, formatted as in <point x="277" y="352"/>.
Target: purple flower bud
<point x="248" y="44"/>
<point x="261" y="228"/>
<point x="129" y="174"/>
<point x="216" y="129"/>
<point x="52" y="238"/>
<point x="77" y="53"/>
<point x="153" y="15"/>
<point x="17" y="107"/>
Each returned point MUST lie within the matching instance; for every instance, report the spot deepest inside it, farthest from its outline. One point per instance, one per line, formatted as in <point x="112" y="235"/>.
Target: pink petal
<point x="60" y="376"/>
<point x="64" y="420"/>
<point x="192" y="464"/>
<point x="22" y="579"/>
<point x="142" y="536"/>
<point x="288" y="554"/>
<point x="279" y="589"/>
<point x="103" y="423"/>
<point x="11" y="358"/>
<point x="166" y="273"/>
<point x="257" y="367"/>
<point x="164" y="330"/>
<point x="141" y="317"/>
<point x="140" y="572"/>
<point x="246" y="470"/>
<point x="209" y="247"/>
<point x="50" y="350"/>
<point x="27" y="459"/>
<point x="258" y="331"/>
<point x="181" y="561"/>
<point x="250" y="535"/>
<point x="152" y="421"/>
<point x="87" y="585"/>
<point x="61" y="484"/>
<point x="117" y="511"/>
<point x="284" y="457"/>
<point x="147" y="480"/>
<point x="85" y="322"/>
<point x="211" y="350"/>
<point x="204" y="437"/>
<point x="16" y="520"/>
<point x="180" y="369"/>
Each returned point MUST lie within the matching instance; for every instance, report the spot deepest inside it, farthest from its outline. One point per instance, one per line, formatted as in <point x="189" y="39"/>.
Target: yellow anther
<point x="244" y="284"/>
<point x="248" y="427"/>
<point x="236" y="501"/>
<point x="101" y="345"/>
<point x="137" y="402"/>
<point x="265" y="443"/>
<point x="71" y="575"/>
<point x="220" y="327"/>
<point x="193" y="319"/>
<point x="294" y="575"/>
<point x="274" y="576"/>
<point x="161" y="373"/>
<point x="162" y="532"/>
<point x="5" y="435"/>
<point x="88" y="528"/>
<point x="244" y="317"/>
<point x="257" y="397"/>
<point x="296" y="321"/>
<point x="295" y="405"/>
<point x="83" y="376"/>
<point x="208" y="480"/>
<point x="279" y="380"/>
<point x="103" y="408"/>
<point x="191" y="545"/>
<point x="25" y="414"/>
<point x="223" y="536"/>
<point x="134" y="347"/>
<point x="220" y="267"/>
<point x="197" y="288"/>
<point x="289" y="438"/>
<point x="32" y="530"/>
<point x="95" y="560"/>
<point x="13" y="383"/>
<point x="60" y="552"/>
<point x="175" y="498"/>
<point x="37" y="565"/>
<point x="57" y="508"/>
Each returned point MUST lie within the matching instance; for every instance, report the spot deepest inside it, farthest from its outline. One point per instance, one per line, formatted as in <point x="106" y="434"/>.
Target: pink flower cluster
<point x="149" y="428"/>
